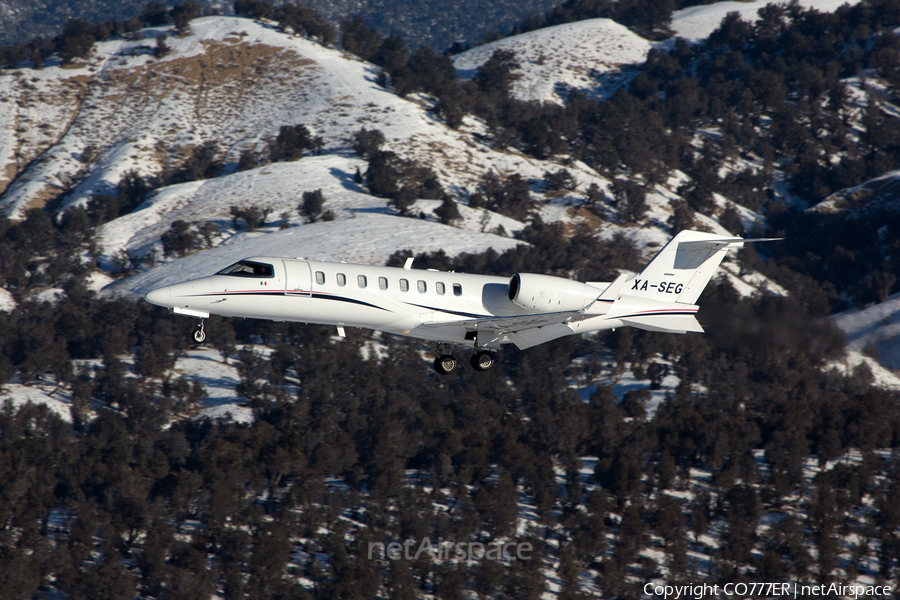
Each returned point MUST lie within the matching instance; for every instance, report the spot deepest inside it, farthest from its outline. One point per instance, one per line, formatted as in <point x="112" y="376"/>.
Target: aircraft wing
<point x="524" y="331"/>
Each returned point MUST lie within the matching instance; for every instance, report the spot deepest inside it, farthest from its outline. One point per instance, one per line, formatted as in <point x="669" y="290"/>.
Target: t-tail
<point x="662" y="296"/>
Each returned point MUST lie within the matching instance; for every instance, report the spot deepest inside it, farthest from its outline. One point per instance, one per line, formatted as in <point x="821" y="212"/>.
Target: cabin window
<point x="320" y="277"/>
<point x="457" y="289"/>
<point x="382" y="283"/>
<point x="341" y="279"/>
<point x="421" y="286"/>
<point x="439" y="288"/>
<point x="247" y="268"/>
<point x="404" y="285"/>
<point x="361" y="280"/>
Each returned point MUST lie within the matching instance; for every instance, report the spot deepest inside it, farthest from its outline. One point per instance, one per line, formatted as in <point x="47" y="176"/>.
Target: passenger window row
<point x="362" y="282"/>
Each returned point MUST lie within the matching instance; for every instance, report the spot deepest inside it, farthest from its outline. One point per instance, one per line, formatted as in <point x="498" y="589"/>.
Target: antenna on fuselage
<point x="409" y="262"/>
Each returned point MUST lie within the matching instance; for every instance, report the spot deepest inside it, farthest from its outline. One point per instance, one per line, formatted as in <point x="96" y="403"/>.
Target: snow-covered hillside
<point x="231" y="81"/>
<point x="697" y="22"/>
<point x="592" y="56"/>
<point x="364" y="229"/>
<point x="874" y="330"/>
<point x="880" y="192"/>
<point x="586" y="55"/>
<point x="235" y="82"/>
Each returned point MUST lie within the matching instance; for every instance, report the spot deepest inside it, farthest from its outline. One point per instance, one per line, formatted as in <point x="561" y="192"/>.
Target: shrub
<point x="312" y="204"/>
<point x="292" y="142"/>
<point x="252" y="217"/>
<point x="560" y="180"/>
<point x="448" y="212"/>
<point x="179" y="240"/>
<point x="366" y="142"/>
<point x="254" y="9"/>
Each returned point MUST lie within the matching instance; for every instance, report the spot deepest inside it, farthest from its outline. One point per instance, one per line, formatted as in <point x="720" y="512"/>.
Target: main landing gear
<point x="482" y="360"/>
<point x="446" y="363"/>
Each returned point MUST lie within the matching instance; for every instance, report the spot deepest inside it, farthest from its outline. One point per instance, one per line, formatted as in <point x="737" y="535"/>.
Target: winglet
<point x="409" y="262"/>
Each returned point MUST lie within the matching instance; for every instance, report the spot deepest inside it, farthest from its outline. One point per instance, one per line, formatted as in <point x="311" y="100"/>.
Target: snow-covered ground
<point x="696" y="23"/>
<point x="874" y="328"/>
<point x="585" y="56"/>
<point x="203" y="364"/>
<point x="593" y="56"/>
<point x="365" y="230"/>
<point x="232" y="81"/>
<point x="874" y="193"/>
<point x="7" y="302"/>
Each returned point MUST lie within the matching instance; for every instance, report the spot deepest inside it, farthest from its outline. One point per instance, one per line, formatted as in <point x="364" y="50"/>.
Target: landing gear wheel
<point x="482" y="361"/>
<point x="445" y="364"/>
<point x="198" y="336"/>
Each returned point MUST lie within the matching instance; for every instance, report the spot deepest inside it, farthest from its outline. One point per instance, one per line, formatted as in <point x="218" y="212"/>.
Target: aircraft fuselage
<point x="402" y="301"/>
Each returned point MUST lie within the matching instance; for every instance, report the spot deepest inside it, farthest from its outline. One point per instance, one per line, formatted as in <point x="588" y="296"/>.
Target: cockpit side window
<point x="247" y="268"/>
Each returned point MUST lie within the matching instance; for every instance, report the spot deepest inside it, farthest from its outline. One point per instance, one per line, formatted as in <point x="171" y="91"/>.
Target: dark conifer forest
<point x="770" y="460"/>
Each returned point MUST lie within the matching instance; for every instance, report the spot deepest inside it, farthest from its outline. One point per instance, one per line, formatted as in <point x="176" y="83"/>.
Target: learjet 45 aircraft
<point x="452" y="309"/>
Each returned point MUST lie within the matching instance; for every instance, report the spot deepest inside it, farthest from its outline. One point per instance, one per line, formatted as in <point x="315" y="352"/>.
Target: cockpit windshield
<point x="247" y="268"/>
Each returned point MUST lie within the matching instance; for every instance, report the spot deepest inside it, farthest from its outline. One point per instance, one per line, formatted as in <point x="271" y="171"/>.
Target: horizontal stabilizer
<point x="727" y="241"/>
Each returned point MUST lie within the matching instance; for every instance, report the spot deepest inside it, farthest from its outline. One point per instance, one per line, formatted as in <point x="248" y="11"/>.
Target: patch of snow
<point x="98" y="280"/>
<point x="51" y="295"/>
<point x="7" y="302"/>
<point x="40" y="393"/>
<point x="219" y="379"/>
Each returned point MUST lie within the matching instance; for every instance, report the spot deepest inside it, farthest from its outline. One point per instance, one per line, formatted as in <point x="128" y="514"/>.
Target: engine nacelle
<point x="544" y="293"/>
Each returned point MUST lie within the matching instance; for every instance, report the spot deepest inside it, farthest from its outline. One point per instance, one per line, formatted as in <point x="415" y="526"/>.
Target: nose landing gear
<point x="198" y="335"/>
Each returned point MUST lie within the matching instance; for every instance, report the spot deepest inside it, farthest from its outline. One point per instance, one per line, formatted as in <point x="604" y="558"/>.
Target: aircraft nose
<point x="159" y="296"/>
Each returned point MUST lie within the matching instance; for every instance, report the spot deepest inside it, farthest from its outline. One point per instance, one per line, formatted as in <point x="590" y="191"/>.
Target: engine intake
<point x="543" y="293"/>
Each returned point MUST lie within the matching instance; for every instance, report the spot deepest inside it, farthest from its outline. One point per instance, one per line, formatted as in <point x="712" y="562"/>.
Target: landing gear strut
<point x="198" y="335"/>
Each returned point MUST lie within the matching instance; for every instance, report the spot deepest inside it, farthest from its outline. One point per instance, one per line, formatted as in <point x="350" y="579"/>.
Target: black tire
<point x="198" y="336"/>
<point x="482" y="361"/>
<point x="445" y="364"/>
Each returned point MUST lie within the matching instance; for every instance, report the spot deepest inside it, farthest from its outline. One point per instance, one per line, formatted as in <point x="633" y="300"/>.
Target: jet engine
<point x="544" y="293"/>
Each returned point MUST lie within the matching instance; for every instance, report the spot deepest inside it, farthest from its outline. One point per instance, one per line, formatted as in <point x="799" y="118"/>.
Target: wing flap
<point x="665" y="323"/>
<point x="526" y="338"/>
<point x="513" y="322"/>
<point x="524" y="331"/>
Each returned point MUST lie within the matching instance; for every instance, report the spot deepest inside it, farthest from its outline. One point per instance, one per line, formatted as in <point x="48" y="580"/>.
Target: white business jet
<point x="456" y="309"/>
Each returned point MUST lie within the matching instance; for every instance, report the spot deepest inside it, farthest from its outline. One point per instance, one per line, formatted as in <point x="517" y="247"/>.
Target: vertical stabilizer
<point x="680" y="271"/>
